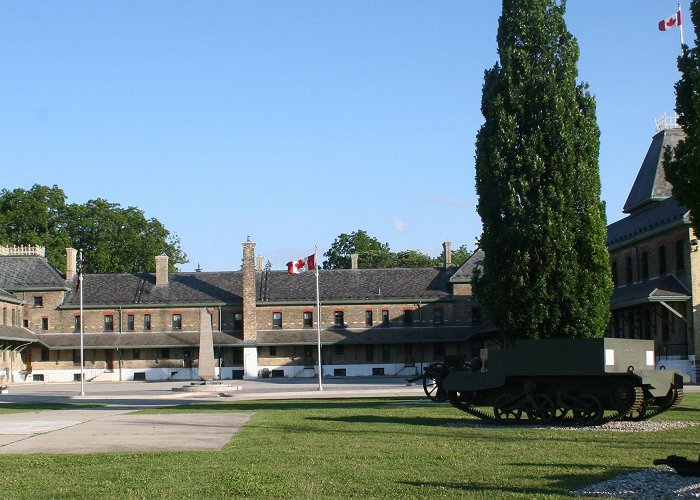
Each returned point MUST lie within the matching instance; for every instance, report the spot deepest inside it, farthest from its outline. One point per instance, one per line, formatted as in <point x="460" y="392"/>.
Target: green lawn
<point x="358" y="448"/>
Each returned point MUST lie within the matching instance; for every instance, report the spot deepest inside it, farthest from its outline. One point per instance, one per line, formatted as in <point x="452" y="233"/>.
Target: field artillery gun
<point x="572" y="381"/>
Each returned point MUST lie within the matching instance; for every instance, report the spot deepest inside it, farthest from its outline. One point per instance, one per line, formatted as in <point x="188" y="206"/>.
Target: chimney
<point x="260" y="262"/>
<point x="353" y="260"/>
<point x="447" y="247"/>
<point x="250" y="327"/>
<point x="161" y="270"/>
<point x="71" y="259"/>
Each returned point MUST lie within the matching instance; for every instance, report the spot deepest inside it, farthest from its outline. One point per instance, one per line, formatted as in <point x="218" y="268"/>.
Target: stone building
<point x="261" y="323"/>
<point x="655" y="266"/>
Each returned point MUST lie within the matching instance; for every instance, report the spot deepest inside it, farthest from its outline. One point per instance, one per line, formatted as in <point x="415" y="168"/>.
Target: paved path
<point x="116" y="427"/>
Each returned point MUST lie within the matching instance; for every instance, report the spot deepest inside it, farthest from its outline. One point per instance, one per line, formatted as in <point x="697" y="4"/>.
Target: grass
<point x="362" y="448"/>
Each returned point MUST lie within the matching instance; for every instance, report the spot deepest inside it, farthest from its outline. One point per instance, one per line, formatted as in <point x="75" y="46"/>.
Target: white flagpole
<point x="82" y="323"/>
<point x="681" y="26"/>
<point x="318" y="320"/>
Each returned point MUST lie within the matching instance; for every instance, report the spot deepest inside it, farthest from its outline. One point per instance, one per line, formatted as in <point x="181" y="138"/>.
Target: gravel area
<point x="649" y="484"/>
<point x="615" y="426"/>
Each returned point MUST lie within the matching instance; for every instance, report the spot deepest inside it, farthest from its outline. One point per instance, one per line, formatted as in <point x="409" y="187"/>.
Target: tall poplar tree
<point x="683" y="167"/>
<point x="546" y="272"/>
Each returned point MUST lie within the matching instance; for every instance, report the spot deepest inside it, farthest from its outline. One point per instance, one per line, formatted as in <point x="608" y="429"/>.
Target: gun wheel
<point x="507" y="410"/>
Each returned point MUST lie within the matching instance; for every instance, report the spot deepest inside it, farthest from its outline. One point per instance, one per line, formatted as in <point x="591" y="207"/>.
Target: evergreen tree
<point x="683" y="167"/>
<point x="546" y="271"/>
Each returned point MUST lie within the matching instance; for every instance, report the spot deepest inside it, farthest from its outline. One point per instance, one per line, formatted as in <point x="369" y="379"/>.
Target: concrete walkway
<point x="117" y="428"/>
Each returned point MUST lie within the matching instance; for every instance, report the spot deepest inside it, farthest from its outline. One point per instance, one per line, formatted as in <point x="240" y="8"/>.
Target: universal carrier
<point x="575" y="381"/>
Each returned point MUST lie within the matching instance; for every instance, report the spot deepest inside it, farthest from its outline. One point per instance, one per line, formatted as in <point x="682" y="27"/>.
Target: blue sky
<point x="295" y="121"/>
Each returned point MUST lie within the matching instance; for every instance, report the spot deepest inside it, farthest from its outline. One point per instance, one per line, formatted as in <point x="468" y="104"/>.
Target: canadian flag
<point x="670" y="22"/>
<point x="302" y="265"/>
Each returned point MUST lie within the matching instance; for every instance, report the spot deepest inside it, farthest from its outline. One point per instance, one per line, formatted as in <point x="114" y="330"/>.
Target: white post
<point x="680" y="26"/>
<point x="82" y="323"/>
<point x="318" y="321"/>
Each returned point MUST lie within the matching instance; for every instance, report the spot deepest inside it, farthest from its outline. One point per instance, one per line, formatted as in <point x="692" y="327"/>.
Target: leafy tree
<point x="113" y="239"/>
<point x="546" y="271"/>
<point x="35" y="217"/>
<point x="413" y="259"/>
<point x="682" y="166"/>
<point x="372" y="253"/>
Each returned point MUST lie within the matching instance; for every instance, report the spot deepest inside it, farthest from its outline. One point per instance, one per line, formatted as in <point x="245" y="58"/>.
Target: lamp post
<point x="82" y="327"/>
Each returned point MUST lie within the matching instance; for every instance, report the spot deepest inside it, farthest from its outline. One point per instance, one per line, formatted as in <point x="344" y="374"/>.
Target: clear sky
<point x="293" y="121"/>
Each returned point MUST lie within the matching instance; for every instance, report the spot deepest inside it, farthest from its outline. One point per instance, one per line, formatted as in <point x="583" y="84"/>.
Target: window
<point x="438" y="319"/>
<point x="368" y="317"/>
<point x="45" y="355"/>
<point x="38" y="301"/>
<point x="76" y="323"/>
<point x="613" y="270"/>
<point x="386" y="353"/>
<point x="109" y="323"/>
<point x="273" y="350"/>
<point x="385" y="318"/>
<point x="369" y="354"/>
<point x="662" y="260"/>
<point x="14" y="319"/>
<point x="136" y="354"/>
<point x="476" y="315"/>
<point x="76" y="357"/>
<point x="25" y="323"/>
<point x="408" y="317"/>
<point x="163" y="353"/>
<point x="680" y="255"/>
<point x="308" y="319"/>
<point x="4" y="315"/>
<point x="130" y="322"/>
<point x="147" y="322"/>
<point x="238" y="321"/>
<point x="276" y="320"/>
<point x="628" y="269"/>
<point x="339" y="349"/>
<point x="177" y="321"/>
<point x="645" y="265"/>
<point x="338" y="318"/>
<point x="44" y="324"/>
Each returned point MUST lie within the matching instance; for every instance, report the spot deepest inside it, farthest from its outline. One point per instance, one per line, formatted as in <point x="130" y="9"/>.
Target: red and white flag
<point x="302" y="265"/>
<point x="670" y="22"/>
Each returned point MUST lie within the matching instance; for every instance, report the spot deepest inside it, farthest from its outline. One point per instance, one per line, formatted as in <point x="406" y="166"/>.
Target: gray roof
<point x="667" y="288"/>
<point x="29" y="273"/>
<point x="6" y="296"/>
<point x="16" y="333"/>
<point x="140" y="289"/>
<point x="374" y="335"/>
<point x="643" y="223"/>
<point x="133" y="340"/>
<point x="355" y="284"/>
<point x="650" y="184"/>
<point x="465" y="273"/>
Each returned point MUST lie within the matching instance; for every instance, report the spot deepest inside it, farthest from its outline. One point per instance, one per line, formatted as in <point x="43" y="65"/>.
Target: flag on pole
<point x="670" y="22"/>
<point x="302" y="265"/>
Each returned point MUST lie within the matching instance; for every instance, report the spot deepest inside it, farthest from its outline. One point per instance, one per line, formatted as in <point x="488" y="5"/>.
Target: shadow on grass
<point x="284" y="404"/>
<point x="20" y="407"/>
<point x="557" y="484"/>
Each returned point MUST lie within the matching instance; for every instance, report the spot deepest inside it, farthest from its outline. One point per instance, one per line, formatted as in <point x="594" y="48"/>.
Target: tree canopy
<point x="682" y="166"/>
<point x="376" y="255"/>
<point x="113" y="239"/>
<point x="546" y="271"/>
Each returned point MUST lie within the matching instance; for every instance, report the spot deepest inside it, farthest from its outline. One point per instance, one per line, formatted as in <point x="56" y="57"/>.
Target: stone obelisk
<point x="206" y="346"/>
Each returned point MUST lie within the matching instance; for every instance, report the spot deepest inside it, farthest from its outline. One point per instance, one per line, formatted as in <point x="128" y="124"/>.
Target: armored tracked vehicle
<point x="574" y="381"/>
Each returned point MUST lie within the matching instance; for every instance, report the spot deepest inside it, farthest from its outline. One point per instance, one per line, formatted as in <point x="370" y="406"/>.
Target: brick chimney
<point x="161" y="270"/>
<point x="250" y="327"/>
<point x="71" y="260"/>
<point x="447" y="247"/>
<point x="353" y="260"/>
<point x="260" y="263"/>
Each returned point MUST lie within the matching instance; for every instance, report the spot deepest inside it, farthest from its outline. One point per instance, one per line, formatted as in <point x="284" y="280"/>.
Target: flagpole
<point x="680" y="25"/>
<point x="318" y="320"/>
<point x="82" y="324"/>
